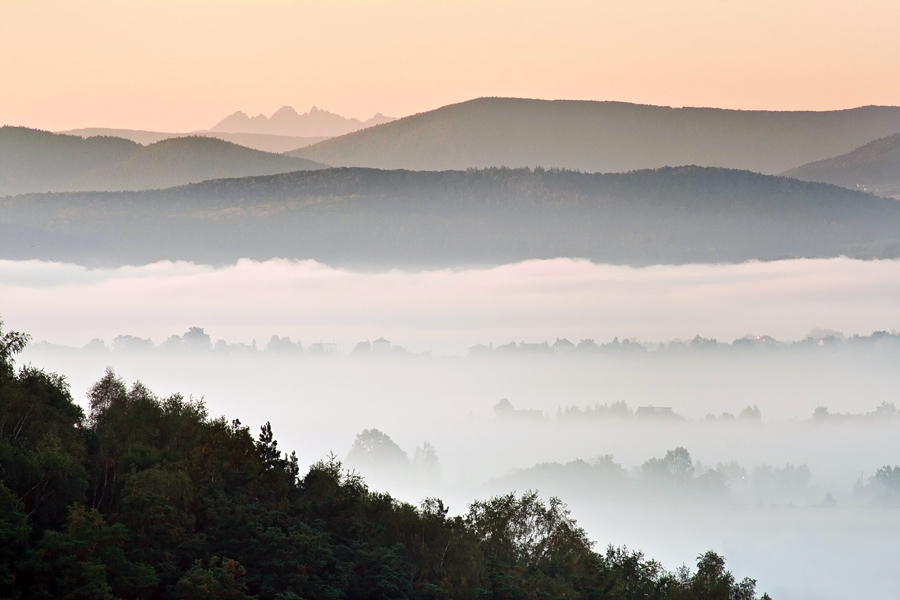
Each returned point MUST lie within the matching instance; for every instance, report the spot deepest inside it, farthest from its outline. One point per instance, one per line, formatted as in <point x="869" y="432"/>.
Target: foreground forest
<point x="147" y="497"/>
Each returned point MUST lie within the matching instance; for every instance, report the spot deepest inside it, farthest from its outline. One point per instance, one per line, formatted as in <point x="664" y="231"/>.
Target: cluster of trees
<point x="886" y="411"/>
<point x="676" y="474"/>
<point x="621" y="410"/>
<point x="816" y="338"/>
<point x="196" y="341"/>
<point x="147" y="497"/>
<point x="882" y="489"/>
<point x="375" y="453"/>
<point x="561" y="346"/>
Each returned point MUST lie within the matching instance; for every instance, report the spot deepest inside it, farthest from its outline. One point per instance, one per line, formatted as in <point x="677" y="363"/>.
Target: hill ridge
<point x="371" y="218"/>
<point x="603" y="136"/>
<point x="872" y="167"/>
<point x="41" y="161"/>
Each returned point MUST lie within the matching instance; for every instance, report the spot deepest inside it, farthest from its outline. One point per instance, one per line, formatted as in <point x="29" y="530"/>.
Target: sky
<point x="181" y="66"/>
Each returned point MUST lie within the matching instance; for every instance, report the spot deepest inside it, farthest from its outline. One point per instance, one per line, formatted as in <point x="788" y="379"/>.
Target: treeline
<point x="506" y="411"/>
<point x="817" y="339"/>
<point x="147" y="497"/>
<point x="197" y="341"/>
<point x="676" y="476"/>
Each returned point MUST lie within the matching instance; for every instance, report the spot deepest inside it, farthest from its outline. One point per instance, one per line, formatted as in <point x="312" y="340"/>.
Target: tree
<point x="676" y="466"/>
<point x="372" y="448"/>
<point x="14" y="531"/>
<point x="11" y="343"/>
<point x="221" y="579"/>
<point x="88" y="560"/>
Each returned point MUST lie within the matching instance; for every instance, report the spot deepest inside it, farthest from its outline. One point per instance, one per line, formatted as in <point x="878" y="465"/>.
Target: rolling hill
<point x="368" y="218"/>
<point x="604" y="137"/>
<point x="40" y="161"/>
<point x="257" y="141"/>
<point x="873" y="167"/>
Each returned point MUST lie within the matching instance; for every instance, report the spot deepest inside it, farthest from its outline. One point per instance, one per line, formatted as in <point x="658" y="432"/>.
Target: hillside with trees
<point x="148" y="497"/>
<point x="40" y="161"/>
<point x="874" y="167"/>
<point x="604" y="136"/>
<point x="373" y="218"/>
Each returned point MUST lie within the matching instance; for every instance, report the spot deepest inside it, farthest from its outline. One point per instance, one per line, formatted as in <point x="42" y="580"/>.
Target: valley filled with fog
<point x="449" y="300"/>
<point x="743" y="408"/>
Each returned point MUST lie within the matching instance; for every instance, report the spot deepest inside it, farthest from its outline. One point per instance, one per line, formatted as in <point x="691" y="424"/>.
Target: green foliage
<point x="221" y="579"/>
<point x="88" y="559"/>
<point x="14" y="532"/>
<point x="42" y="449"/>
<point x="148" y="497"/>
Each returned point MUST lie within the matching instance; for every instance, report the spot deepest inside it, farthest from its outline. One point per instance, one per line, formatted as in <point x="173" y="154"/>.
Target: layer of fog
<point x="448" y="311"/>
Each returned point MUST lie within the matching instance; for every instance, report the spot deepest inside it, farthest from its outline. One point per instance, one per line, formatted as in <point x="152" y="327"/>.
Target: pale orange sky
<point x="178" y="66"/>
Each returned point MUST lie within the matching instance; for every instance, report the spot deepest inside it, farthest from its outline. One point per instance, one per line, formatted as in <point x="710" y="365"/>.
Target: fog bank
<point x="447" y="311"/>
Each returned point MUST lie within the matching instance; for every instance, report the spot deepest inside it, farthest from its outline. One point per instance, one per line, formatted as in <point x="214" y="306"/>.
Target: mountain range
<point x="286" y="121"/>
<point x="40" y="161"/>
<point x="874" y="167"/>
<point x="258" y="141"/>
<point x="370" y="218"/>
<point x="604" y="137"/>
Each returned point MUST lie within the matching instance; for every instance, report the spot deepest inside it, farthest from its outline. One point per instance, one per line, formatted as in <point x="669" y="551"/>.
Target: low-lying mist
<point x="447" y="311"/>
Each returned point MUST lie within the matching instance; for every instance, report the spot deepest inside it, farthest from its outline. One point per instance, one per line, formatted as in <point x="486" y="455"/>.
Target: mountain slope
<point x="257" y="141"/>
<point x="384" y="219"/>
<point x="874" y="167"/>
<point x="604" y="137"/>
<point x="287" y="121"/>
<point x="177" y="161"/>
<point x="40" y="161"/>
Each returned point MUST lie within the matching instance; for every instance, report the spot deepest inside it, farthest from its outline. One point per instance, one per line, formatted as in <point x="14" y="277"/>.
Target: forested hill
<point x="874" y="167"/>
<point x="604" y="136"/>
<point x="40" y="161"/>
<point x="150" y="498"/>
<point x="373" y="218"/>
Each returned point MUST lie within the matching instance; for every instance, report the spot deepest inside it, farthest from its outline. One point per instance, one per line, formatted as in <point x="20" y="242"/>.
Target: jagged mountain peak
<point x="318" y="122"/>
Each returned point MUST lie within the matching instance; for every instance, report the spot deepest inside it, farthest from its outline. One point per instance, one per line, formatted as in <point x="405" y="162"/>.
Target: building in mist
<point x="562" y="346"/>
<point x="480" y="350"/>
<point x="381" y="346"/>
<point x="323" y="348"/>
<point x="655" y="412"/>
<point x="504" y="409"/>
